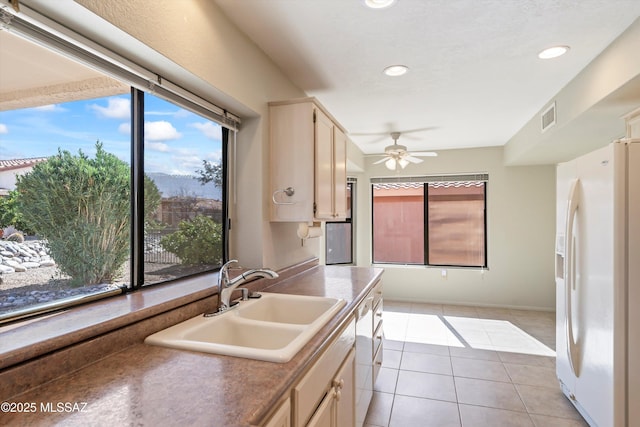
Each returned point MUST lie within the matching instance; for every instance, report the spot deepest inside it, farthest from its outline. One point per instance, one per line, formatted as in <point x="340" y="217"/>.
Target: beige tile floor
<point x="448" y="365"/>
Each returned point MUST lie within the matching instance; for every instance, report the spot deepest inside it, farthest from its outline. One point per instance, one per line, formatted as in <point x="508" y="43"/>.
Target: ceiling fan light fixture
<point x="396" y="70"/>
<point x="378" y="4"/>
<point x="403" y="163"/>
<point x="391" y="164"/>
<point x="553" y="52"/>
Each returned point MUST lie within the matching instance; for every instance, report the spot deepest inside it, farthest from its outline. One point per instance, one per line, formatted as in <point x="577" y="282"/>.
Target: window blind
<point x="431" y="178"/>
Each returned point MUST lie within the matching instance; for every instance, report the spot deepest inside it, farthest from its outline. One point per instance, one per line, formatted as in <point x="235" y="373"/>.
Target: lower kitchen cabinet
<point x="325" y="396"/>
<point x="282" y="417"/>
<point x="328" y="394"/>
<point x="369" y="336"/>
<point x="337" y="409"/>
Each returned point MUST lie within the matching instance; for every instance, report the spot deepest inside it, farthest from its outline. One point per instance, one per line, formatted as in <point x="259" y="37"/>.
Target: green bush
<point x="10" y="213"/>
<point x="81" y="207"/>
<point x="198" y="241"/>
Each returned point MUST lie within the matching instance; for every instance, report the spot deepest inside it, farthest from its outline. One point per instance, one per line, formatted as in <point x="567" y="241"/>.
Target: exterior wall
<point x="8" y="178"/>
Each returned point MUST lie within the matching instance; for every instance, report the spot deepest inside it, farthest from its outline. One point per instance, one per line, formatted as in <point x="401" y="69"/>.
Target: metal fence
<point x="154" y="252"/>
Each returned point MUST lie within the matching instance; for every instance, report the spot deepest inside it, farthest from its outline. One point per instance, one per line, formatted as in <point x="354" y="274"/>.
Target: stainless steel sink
<point x="273" y="328"/>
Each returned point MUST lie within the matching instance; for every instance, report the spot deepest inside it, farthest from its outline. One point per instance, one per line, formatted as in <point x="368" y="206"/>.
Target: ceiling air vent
<point x="548" y="117"/>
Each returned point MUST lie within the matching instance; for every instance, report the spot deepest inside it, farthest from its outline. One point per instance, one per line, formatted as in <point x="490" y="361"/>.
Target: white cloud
<point x="125" y="128"/>
<point x="50" y="108"/>
<point x="210" y="129"/>
<point x="157" y="146"/>
<point x="159" y="113"/>
<point x="214" y="156"/>
<point x="182" y="113"/>
<point x="3" y="128"/>
<point x="160" y="131"/>
<point x="117" y="108"/>
<point x="187" y="164"/>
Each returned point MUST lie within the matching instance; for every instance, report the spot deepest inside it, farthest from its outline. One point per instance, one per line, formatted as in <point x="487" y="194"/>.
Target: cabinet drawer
<point x="314" y="385"/>
<point x="377" y="314"/>
<point x="378" y="337"/>
<point x="377" y="363"/>
<point x="377" y="293"/>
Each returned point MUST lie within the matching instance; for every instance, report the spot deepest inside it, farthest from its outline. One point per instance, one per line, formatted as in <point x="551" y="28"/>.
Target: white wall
<point x="520" y="236"/>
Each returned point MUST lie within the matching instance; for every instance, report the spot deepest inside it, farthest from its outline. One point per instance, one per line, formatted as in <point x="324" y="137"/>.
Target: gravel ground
<point x="47" y="276"/>
<point x="38" y="286"/>
<point x="45" y="284"/>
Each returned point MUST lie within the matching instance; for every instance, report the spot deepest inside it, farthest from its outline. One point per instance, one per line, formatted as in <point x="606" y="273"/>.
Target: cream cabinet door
<point x="344" y="384"/>
<point x="324" y="415"/>
<point x="282" y="417"/>
<point x="323" y="166"/>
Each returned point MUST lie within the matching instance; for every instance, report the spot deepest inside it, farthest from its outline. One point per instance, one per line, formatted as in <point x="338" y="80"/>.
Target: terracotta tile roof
<point x="11" y="164"/>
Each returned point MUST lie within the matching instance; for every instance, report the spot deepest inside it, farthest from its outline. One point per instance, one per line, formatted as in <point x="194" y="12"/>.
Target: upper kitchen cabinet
<point x="308" y="163"/>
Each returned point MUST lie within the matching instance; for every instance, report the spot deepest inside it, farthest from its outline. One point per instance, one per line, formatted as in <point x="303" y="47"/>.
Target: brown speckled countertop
<point x="148" y="385"/>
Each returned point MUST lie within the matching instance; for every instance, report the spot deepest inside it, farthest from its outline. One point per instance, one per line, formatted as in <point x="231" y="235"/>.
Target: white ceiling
<point x="474" y="77"/>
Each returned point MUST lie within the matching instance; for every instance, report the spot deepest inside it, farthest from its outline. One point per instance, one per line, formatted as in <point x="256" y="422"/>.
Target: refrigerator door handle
<point x="573" y="204"/>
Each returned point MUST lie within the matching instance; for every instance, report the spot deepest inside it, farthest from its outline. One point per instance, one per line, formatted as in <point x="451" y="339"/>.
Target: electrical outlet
<point x="443" y="273"/>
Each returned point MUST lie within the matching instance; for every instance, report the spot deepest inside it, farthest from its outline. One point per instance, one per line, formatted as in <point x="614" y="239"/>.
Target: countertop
<point x="149" y="385"/>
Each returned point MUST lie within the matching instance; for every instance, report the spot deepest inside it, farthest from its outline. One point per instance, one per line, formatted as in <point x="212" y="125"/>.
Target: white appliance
<point x="598" y="284"/>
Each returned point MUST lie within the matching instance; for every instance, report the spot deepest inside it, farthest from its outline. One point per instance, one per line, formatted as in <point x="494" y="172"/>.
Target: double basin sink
<point x="272" y="328"/>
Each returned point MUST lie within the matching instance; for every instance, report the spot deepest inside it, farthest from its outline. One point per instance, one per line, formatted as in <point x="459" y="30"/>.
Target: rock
<point x="6" y="253"/>
<point x="30" y="264"/>
<point x="47" y="263"/>
<point x="15" y="265"/>
<point x="5" y="269"/>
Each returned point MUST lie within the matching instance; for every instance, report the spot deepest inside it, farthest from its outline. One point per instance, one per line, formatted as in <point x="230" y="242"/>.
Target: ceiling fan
<point x="397" y="155"/>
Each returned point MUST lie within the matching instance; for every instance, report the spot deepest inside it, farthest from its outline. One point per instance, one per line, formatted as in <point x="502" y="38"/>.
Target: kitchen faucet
<point x="226" y="286"/>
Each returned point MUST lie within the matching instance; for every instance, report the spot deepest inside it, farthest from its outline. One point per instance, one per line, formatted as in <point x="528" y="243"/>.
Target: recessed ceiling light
<point x="553" y="52"/>
<point x="378" y="4"/>
<point x="396" y="70"/>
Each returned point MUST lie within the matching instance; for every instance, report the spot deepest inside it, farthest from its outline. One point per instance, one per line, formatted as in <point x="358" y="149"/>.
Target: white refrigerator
<point x="598" y="284"/>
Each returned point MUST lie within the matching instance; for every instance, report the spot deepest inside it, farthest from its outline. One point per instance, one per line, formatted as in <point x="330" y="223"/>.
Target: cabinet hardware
<point x="289" y="191"/>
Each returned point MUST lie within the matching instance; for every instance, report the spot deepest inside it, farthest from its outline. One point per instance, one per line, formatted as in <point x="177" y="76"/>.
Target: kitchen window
<point x="438" y="220"/>
<point x="135" y="179"/>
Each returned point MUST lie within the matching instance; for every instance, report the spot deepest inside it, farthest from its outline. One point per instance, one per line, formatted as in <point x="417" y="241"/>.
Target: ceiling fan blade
<point x="391" y="129"/>
<point x="384" y="159"/>
<point x="424" y="154"/>
<point x="408" y="133"/>
<point x="413" y="159"/>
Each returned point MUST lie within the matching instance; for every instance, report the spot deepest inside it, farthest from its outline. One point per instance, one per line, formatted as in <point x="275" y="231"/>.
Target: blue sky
<point x="176" y="140"/>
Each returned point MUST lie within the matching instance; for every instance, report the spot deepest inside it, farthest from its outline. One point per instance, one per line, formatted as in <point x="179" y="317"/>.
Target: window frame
<point x="425" y="181"/>
<point x="141" y="81"/>
<point x="351" y="183"/>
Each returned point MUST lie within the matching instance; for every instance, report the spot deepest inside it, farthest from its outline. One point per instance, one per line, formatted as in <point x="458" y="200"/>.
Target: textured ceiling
<point x="474" y="77"/>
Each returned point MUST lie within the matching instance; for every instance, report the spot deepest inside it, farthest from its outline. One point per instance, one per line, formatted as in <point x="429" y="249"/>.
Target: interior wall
<point x="197" y="36"/>
<point x="520" y="236"/>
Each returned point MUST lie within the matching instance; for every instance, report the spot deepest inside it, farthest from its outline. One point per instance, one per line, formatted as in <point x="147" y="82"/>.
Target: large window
<point x="104" y="188"/>
<point x="438" y="222"/>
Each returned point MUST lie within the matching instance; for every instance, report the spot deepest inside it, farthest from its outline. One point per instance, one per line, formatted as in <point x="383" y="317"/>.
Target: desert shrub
<point x="198" y="241"/>
<point x="80" y="205"/>
<point x="152" y="198"/>
<point x="10" y="213"/>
